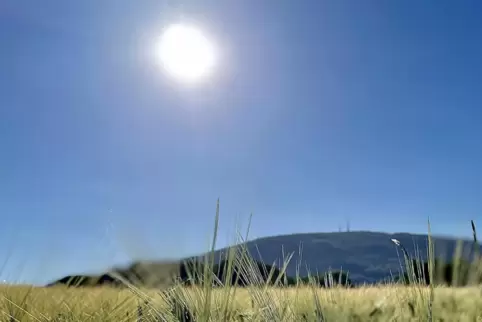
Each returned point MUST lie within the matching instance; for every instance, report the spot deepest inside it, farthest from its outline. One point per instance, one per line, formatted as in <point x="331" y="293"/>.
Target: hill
<point x="367" y="256"/>
<point x="159" y="274"/>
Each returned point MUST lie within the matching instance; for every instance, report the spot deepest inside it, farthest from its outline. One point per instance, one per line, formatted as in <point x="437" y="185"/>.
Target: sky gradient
<point x="319" y="113"/>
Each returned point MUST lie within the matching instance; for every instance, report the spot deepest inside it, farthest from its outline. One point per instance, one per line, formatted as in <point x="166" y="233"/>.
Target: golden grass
<point x="259" y="302"/>
<point x="384" y="303"/>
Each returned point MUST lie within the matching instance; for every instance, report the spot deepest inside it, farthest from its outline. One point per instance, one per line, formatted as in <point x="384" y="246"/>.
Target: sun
<point x="186" y="53"/>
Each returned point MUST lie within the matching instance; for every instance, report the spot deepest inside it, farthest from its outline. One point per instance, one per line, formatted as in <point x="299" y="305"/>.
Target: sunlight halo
<point x="186" y="53"/>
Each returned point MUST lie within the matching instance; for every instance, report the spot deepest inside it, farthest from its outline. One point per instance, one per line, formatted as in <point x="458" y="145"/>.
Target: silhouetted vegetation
<point x="194" y="272"/>
<point x="329" y="279"/>
<point x="224" y="273"/>
<point x="87" y="280"/>
<point x="188" y="273"/>
<point x="454" y="273"/>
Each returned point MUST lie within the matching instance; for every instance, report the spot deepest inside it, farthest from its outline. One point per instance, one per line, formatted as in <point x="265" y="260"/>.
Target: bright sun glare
<point x="186" y="53"/>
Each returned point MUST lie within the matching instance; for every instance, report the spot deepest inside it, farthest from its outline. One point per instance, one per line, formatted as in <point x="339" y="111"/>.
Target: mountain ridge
<point x="361" y="253"/>
<point x="367" y="256"/>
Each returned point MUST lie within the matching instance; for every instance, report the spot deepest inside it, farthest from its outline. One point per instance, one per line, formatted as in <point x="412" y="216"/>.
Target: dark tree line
<point x="256" y="273"/>
<point x="329" y="279"/>
<point x="198" y="273"/>
<point x="455" y="273"/>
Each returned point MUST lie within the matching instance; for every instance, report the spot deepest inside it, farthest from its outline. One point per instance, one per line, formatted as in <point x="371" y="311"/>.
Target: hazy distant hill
<point x="160" y="274"/>
<point x="367" y="256"/>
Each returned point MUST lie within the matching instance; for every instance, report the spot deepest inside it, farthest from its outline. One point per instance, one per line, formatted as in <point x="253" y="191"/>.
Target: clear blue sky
<point x="321" y="112"/>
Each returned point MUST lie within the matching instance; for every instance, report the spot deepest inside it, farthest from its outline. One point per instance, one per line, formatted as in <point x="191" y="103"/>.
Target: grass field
<point x="384" y="303"/>
<point x="258" y="302"/>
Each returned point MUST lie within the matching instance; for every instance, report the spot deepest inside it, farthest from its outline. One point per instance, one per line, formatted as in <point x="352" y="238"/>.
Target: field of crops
<point x="384" y="303"/>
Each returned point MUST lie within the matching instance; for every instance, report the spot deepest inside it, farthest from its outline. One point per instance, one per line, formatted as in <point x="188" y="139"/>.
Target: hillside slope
<point x="367" y="256"/>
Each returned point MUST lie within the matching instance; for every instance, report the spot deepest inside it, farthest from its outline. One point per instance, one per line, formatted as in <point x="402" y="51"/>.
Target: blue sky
<point x="320" y="112"/>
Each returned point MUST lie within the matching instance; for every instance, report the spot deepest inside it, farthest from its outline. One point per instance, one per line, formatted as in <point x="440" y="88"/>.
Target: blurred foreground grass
<point x="257" y="302"/>
<point x="302" y="303"/>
